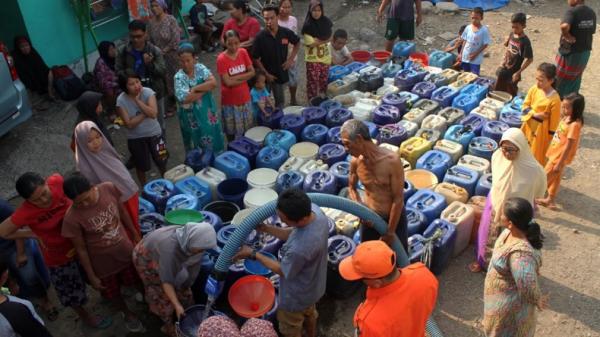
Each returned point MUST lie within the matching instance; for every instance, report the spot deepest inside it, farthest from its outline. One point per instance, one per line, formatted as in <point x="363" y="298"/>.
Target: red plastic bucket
<point x="361" y="56"/>
<point x="252" y="296"/>
<point x="420" y="58"/>
<point x="381" y="56"/>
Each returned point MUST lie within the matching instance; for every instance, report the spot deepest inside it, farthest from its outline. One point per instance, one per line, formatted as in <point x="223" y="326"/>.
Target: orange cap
<point x="372" y="259"/>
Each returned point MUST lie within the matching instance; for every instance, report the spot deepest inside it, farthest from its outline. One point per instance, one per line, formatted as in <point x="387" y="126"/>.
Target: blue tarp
<point x="487" y="5"/>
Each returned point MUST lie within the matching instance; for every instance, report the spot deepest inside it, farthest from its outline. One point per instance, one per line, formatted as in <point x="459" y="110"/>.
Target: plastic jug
<point x="329" y="105"/>
<point x="212" y="177"/>
<point x="179" y="172"/>
<point x="453" y="115"/>
<point x="258" y="197"/>
<point x="150" y="222"/>
<point x="225" y="233"/>
<point x="262" y="178"/>
<point x="293" y="110"/>
<point x="484" y="185"/>
<point x="225" y="210"/>
<point x="465" y="102"/>
<point x="413" y="148"/>
<point x="246" y="147"/>
<point x="340" y="171"/>
<point x="272" y="121"/>
<point x="491" y="103"/>
<point x="511" y="116"/>
<point x="320" y="181"/>
<point x="450" y="74"/>
<point x="443" y="248"/>
<point x="390" y="69"/>
<point x="441" y="59"/>
<point x="431" y="204"/>
<point x="489" y="82"/>
<point x="145" y="206"/>
<point x="477" y="90"/>
<point x="478" y="164"/>
<point x="195" y="187"/>
<point x="438" y="79"/>
<point x="435" y="161"/>
<point x="462" y="216"/>
<point x="451" y="192"/>
<point x="494" y="130"/>
<point x="233" y="164"/>
<point x="343" y="85"/>
<point x="363" y="109"/>
<point x="415" y="115"/>
<point x="463" y="177"/>
<point x="289" y="179"/>
<point x="333" y="135"/>
<point x="212" y="219"/>
<point x="282" y="138"/>
<point x="386" y="89"/>
<point x="485" y="112"/>
<point x="460" y="134"/>
<point x="198" y="159"/>
<point x="431" y="135"/>
<point x="370" y="80"/>
<point x="478" y="204"/>
<point x="315" y="133"/>
<point x="403" y="49"/>
<point x="409" y="189"/>
<point x="501" y="96"/>
<point x="356" y="67"/>
<point x="392" y="134"/>
<point x="295" y="123"/>
<point x="482" y="147"/>
<point x="271" y="157"/>
<point x="405" y="79"/>
<point x="435" y="122"/>
<point x="463" y="80"/>
<point x="454" y="149"/>
<point x="313" y="165"/>
<point x="304" y="151"/>
<point x="416" y="222"/>
<point x="416" y="248"/>
<point x="373" y="129"/>
<point x="397" y="100"/>
<point x="158" y="192"/>
<point x="181" y="201"/>
<point x="331" y="153"/>
<point x="368" y="69"/>
<point x="386" y="114"/>
<point x="337" y="72"/>
<point x="337" y="117"/>
<point x="339" y="248"/>
<point x="410" y="127"/>
<point x="424" y="89"/>
<point x="431" y="107"/>
<point x="292" y="164"/>
<point x="389" y="146"/>
<point x="444" y="95"/>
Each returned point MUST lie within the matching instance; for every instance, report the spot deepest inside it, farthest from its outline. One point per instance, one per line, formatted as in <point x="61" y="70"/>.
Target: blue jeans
<point x="474" y="68"/>
<point x="33" y="278"/>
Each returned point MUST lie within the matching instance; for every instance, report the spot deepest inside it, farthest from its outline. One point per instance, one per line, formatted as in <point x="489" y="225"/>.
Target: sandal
<point x="474" y="267"/>
<point x="101" y="322"/>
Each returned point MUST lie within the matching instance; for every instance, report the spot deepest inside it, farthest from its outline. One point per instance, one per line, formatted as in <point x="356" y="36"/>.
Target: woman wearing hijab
<point x="31" y="68"/>
<point x="317" y="33"/>
<point x="515" y="173"/>
<point x="168" y="261"/>
<point x="105" y="74"/>
<point x="99" y="162"/>
<point x="223" y="326"/>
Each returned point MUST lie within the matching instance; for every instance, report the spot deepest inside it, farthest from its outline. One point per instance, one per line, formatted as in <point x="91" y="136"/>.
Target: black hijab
<point x="86" y="105"/>
<point x="321" y="28"/>
<point x="103" y="48"/>
<point x="31" y="68"/>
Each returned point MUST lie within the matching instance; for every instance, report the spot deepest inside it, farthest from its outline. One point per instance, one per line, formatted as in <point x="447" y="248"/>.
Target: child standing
<point x="476" y="39"/>
<point x="564" y="145"/>
<point x="287" y="20"/>
<point x="316" y="32"/>
<point x="517" y="57"/>
<point x="340" y="55"/>
<point x="261" y="96"/>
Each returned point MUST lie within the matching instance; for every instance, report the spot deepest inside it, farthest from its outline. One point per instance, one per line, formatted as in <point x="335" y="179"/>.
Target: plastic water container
<point x="517" y="102"/>
<point x="424" y="89"/>
<point x="337" y="117"/>
<point x="195" y="187"/>
<point x="292" y="164"/>
<point x="225" y="210"/>
<point x="478" y="164"/>
<point x="435" y="161"/>
<point x="179" y="172"/>
<point x="477" y="90"/>
<point x="343" y="85"/>
<point x="415" y="220"/>
<point x="452" y="115"/>
<point x="304" y="150"/>
<point x="484" y="185"/>
<point x="289" y="179"/>
<point x="282" y="138"/>
<point x="396" y="100"/>
<point x="435" y="122"/>
<point x="233" y="164"/>
<point x="454" y="149"/>
<point x="271" y="157"/>
<point x="295" y="123"/>
<point x="486" y="113"/>
<point x="181" y="201"/>
<point x="406" y="79"/>
<point x="246" y="147"/>
<point x="450" y="74"/>
<point x="262" y="178"/>
<point x="320" y="181"/>
<point x="333" y="135"/>
<point x="441" y="59"/>
<point x="390" y="69"/>
<point x="293" y="110"/>
<point x="415" y="115"/>
<point x="443" y="248"/>
<point x="482" y="147"/>
<point x="465" y="102"/>
<point x="431" y="204"/>
<point x="363" y="109"/>
<point x="463" y="80"/>
<point x="386" y="114"/>
<point x="212" y="177"/>
<point x="337" y="72"/>
<point x="340" y="171"/>
<point x="431" y="135"/>
<point x="198" y="159"/>
<point x="478" y="204"/>
<point x="460" y="134"/>
<point x="489" y="82"/>
<point x="145" y="206"/>
<point x="413" y="148"/>
<point x="451" y="192"/>
<point x="388" y="146"/>
<point x="368" y="69"/>
<point x="225" y="233"/>
<point x="258" y="197"/>
<point x="427" y="105"/>
<point x="273" y="120"/>
<point x="438" y="79"/>
<point x="409" y="189"/>
<point x="491" y="103"/>
<point x="158" y="192"/>
<point x="463" y="177"/>
<point x="339" y="247"/>
<point x="356" y="67"/>
<point x="410" y="127"/>
<point x="212" y="219"/>
<point x="370" y="79"/>
<point x="233" y="190"/>
<point x="373" y="129"/>
<point x="313" y="165"/>
<point x="416" y="248"/>
<point x="386" y="88"/>
<point x="494" y="130"/>
<point x="501" y="96"/>
<point x="150" y="222"/>
<point x="331" y="153"/>
<point x="444" y="95"/>
<point x="329" y="105"/>
<point x="511" y="116"/>
<point x="392" y="134"/>
<point x="315" y="133"/>
<point x="403" y="49"/>
<point x="462" y="216"/>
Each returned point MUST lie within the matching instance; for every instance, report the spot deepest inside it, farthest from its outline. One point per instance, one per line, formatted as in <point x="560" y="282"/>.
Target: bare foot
<point x="474" y="267"/>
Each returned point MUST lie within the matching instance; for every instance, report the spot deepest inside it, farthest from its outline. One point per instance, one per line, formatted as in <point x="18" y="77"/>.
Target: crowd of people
<point x="83" y="229"/>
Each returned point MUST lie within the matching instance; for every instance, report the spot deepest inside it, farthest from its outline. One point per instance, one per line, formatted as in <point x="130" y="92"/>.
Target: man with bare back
<point x="382" y="174"/>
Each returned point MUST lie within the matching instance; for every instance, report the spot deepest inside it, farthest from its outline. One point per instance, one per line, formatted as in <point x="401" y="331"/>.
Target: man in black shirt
<point x="578" y="27"/>
<point x="270" y="52"/>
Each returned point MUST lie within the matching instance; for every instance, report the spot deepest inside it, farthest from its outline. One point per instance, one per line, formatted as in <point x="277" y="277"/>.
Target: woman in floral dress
<point x="197" y="111"/>
<point x="511" y="290"/>
<point x="164" y="33"/>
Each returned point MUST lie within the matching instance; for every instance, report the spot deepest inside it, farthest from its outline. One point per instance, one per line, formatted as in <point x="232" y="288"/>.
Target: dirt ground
<point x="571" y="258"/>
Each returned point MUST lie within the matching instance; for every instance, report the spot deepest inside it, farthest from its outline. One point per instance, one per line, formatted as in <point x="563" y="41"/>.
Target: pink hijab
<point x="104" y="165"/>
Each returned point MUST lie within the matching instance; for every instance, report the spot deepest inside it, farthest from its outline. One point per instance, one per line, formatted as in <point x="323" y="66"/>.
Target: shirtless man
<point x="382" y="174"/>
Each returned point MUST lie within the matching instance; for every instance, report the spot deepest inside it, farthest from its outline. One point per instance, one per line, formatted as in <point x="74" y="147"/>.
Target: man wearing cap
<point x="382" y="174"/>
<point x="303" y="266"/>
<point x="399" y="301"/>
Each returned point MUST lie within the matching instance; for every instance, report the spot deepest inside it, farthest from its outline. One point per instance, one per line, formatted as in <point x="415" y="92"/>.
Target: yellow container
<point x="421" y="179"/>
<point x="481" y="165"/>
<point x="178" y="173"/>
<point x="462" y="216"/>
<point x="450" y="74"/>
<point x="413" y="148"/>
<point x="454" y="149"/>
<point x="452" y="192"/>
<point x="463" y="79"/>
<point x="343" y="85"/>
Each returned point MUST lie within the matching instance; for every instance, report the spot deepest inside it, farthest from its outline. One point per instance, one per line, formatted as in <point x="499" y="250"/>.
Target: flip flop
<point x="101" y="323"/>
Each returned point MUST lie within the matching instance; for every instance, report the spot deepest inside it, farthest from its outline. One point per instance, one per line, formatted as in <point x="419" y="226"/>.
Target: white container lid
<point x="293" y="110"/>
<point x="304" y="150"/>
<point x="262" y="177"/>
<point x="258" y="133"/>
<point x="240" y="216"/>
<point x="257" y="197"/>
